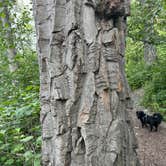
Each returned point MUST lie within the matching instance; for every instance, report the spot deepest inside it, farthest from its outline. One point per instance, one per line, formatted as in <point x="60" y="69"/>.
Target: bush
<point x="152" y="78"/>
<point x="20" y="133"/>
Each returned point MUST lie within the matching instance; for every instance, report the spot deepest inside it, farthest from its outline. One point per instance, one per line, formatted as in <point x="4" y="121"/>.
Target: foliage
<point x="147" y="24"/>
<point x="19" y="113"/>
<point x="147" y="21"/>
<point x="155" y="89"/>
<point x="134" y="64"/>
<point x="20" y="133"/>
<point x="19" y="25"/>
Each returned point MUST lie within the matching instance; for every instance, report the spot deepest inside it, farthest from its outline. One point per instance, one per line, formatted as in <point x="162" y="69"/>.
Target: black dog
<point x="142" y="117"/>
<point x="154" y="120"/>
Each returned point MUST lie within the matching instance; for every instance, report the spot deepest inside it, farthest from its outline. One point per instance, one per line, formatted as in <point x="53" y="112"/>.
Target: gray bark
<point x="150" y="54"/>
<point x="84" y="93"/>
<point x="11" y="50"/>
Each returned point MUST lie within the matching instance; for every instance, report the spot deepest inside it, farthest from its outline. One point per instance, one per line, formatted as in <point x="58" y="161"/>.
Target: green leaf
<point x="9" y="162"/>
<point x="39" y="140"/>
<point x="18" y="148"/>
<point x="28" y="88"/>
<point x="28" y="155"/>
<point x="2" y="15"/>
<point x="37" y="162"/>
<point x="6" y="25"/>
<point x="25" y="110"/>
<point x="26" y="139"/>
<point x="2" y="132"/>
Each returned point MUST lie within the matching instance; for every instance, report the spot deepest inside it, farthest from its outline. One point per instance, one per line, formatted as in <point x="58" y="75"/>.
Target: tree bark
<point x="84" y="92"/>
<point x="11" y="50"/>
<point x="150" y="54"/>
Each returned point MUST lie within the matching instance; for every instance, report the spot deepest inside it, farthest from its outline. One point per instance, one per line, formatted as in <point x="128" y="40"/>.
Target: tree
<point x="150" y="54"/>
<point x="83" y="89"/>
<point x="9" y="37"/>
<point x="145" y="26"/>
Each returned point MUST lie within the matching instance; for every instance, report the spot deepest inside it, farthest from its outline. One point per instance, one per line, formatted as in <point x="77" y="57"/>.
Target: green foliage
<point x="20" y="131"/>
<point x="147" y="24"/>
<point x="137" y="72"/>
<point x="19" y="114"/>
<point x="147" y="21"/>
<point x="155" y="89"/>
<point x="134" y="64"/>
<point x="137" y="75"/>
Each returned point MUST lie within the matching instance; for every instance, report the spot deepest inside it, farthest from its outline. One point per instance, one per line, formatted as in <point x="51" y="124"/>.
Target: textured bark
<point x="84" y="93"/>
<point x="11" y="51"/>
<point x="150" y="54"/>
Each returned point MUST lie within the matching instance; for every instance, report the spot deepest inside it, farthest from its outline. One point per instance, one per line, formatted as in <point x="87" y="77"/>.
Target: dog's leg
<point x="142" y="125"/>
<point x="156" y="128"/>
<point x="151" y="127"/>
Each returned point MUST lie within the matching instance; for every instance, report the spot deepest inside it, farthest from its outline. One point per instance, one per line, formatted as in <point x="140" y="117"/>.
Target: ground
<point x="151" y="145"/>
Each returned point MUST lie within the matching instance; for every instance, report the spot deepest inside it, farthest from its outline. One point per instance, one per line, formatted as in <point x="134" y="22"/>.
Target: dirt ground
<point x="151" y="145"/>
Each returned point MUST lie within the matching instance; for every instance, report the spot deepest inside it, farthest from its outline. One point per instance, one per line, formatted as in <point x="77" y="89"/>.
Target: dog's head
<point x="140" y="114"/>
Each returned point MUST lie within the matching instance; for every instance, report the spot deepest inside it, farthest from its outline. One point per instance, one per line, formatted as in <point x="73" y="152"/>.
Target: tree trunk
<point x="84" y="93"/>
<point x="150" y="54"/>
<point x="11" y="51"/>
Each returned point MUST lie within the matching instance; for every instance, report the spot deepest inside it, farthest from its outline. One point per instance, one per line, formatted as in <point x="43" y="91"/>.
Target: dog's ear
<point x="137" y="113"/>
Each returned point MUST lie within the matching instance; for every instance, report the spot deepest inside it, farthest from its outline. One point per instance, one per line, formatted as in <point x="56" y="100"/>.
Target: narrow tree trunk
<point x="84" y="93"/>
<point x="11" y="51"/>
<point x="150" y="54"/>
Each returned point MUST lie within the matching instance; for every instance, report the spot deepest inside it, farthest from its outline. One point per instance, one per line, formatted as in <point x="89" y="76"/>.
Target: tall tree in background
<point x="84" y="93"/>
<point x="9" y="36"/>
<point x="150" y="54"/>
<point x="145" y="26"/>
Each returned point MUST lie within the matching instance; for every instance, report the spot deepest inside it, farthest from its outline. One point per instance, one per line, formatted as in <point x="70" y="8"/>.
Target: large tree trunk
<point x="84" y="93"/>
<point x="11" y="50"/>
